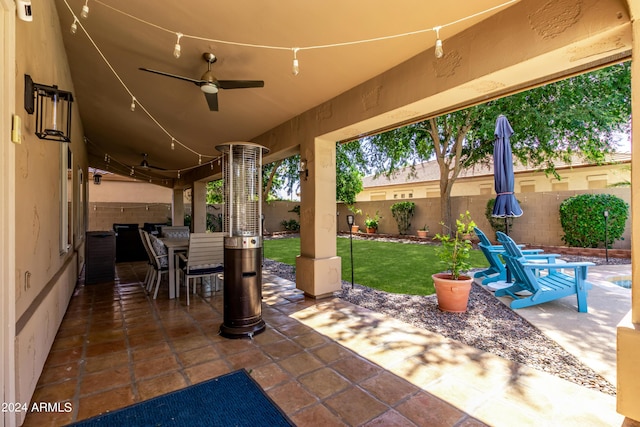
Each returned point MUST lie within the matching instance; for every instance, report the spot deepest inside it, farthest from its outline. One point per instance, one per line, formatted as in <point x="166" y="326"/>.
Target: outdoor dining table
<point x="174" y="245"/>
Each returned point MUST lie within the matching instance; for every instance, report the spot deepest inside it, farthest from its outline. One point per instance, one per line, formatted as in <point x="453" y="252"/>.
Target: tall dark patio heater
<point x="242" y="173"/>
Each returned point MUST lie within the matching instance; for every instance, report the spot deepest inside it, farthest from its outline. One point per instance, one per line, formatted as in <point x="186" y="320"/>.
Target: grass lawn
<point x="400" y="268"/>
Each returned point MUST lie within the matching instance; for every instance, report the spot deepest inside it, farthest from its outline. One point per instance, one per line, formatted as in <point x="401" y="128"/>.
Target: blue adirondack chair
<point x="543" y="288"/>
<point x="496" y="271"/>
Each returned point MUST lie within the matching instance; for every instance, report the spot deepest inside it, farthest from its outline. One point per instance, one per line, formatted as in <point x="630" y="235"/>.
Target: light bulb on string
<point x="106" y="157"/>
<point x="176" y="48"/>
<point x="74" y="26"/>
<point x="178" y="174"/>
<point x="211" y="165"/>
<point x="173" y="143"/>
<point x="439" y="51"/>
<point x="296" y="65"/>
<point x="199" y="159"/>
<point x="85" y="10"/>
<point x="133" y="103"/>
<point x="132" y="171"/>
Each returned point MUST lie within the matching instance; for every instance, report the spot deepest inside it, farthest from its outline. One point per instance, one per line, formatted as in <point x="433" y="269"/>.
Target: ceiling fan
<point x="144" y="164"/>
<point x="209" y="84"/>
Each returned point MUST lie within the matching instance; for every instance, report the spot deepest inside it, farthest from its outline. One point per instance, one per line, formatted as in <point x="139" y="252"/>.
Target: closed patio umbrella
<point x="506" y="205"/>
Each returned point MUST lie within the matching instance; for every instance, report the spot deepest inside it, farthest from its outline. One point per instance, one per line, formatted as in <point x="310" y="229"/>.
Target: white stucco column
<point x="318" y="269"/>
<point x="628" y="337"/>
<point x="177" y="207"/>
<point x="199" y="207"/>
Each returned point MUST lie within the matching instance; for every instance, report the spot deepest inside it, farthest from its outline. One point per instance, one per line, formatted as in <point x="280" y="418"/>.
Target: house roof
<point x="429" y="171"/>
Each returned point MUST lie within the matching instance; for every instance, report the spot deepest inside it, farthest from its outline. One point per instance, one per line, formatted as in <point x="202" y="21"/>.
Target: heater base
<point x="247" y="331"/>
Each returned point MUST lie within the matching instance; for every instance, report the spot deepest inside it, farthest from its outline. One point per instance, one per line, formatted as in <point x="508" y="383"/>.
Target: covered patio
<point x="326" y="363"/>
<point x="353" y="92"/>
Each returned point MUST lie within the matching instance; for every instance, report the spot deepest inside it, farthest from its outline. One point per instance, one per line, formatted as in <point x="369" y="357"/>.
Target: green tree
<point x="576" y="115"/>
<point x="215" y="191"/>
<point x="283" y="175"/>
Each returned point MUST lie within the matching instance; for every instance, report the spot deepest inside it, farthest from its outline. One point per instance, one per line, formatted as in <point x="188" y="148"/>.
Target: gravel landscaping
<point x="488" y="325"/>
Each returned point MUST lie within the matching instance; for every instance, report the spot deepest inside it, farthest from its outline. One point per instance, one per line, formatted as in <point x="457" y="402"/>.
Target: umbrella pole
<point x="506" y="229"/>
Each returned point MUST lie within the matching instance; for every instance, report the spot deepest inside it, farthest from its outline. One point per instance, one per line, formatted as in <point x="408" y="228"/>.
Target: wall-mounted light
<point x="52" y="107"/>
<point x="97" y="178"/>
<point x="304" y="170"/>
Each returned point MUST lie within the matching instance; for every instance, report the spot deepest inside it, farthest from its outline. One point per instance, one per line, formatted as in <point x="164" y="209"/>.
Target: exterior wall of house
<point x="572" y="179"/>
<point x="45" y="274"/>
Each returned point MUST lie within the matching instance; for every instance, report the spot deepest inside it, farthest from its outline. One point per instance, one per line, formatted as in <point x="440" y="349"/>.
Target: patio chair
<point x="148" y="278"/>
<point x="543" y="288"/>
<point x="160" y="260"/>
<point x="204" y="258"/>
<point x="175" y="232"/>
<point x="496" y="271"/>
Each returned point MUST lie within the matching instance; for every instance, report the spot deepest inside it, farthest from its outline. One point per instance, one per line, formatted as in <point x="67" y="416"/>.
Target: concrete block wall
<point x="539" y="225"/>
<point x="103" y="215"/>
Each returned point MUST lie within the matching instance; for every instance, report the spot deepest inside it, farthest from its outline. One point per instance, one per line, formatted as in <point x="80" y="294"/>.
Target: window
<point x="597" y="181"/>
<point x="528" y="186"/>
<point x="66" y="180"/>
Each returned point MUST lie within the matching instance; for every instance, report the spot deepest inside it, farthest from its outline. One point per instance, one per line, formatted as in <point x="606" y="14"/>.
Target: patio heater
<point x="242" y="174"/>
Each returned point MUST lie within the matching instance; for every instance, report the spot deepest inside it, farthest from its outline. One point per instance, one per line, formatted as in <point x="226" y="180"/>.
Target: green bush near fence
<point x="403" y="212"/>
<point x="583" y="219"/>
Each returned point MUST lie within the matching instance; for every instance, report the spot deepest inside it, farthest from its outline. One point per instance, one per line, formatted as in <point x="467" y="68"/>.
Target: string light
<point x="133" y="103"/>
<point x="132" y="171"/>
<point x="199" y="159"/>
<point x="176" y="48"/>
<point x="325" y="46"/>
<point x="296" y="65"/>
<point x="85" y="10"/>
<point x="106" y="157"/>
<point x="439" y="51"/>
<point x="211" y="165"/>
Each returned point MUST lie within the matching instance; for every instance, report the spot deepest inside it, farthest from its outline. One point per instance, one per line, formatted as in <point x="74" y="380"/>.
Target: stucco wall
<point x="45" y="278"/>
<point x="539" y="225"/>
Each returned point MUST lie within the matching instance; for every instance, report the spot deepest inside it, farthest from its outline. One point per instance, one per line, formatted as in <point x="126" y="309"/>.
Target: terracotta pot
<point x="371" y="230"/>
<point x="422" y="233"/>
<point x="355" y="229"/>
<point x="453" y="295"/>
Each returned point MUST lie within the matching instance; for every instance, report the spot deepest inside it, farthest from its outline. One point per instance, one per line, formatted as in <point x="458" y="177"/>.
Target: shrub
<point x="496" y="223"/>
<point x="403" y="212"/>
<point x="583" y="221"/>
<point x="290" y="225"/>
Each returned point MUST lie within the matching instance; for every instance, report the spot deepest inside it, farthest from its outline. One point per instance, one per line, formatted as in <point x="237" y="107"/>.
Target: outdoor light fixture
<point x="97" y="178"/>
<point x="52" y="107"/>
<point x="304" y="171"/>
<point x="350" y="220"/>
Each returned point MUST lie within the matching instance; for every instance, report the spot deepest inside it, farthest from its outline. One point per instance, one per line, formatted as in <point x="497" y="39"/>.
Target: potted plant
<point x="371" y="223"/>
<point x="422" y="232"/>
<point x="453" y="286"/>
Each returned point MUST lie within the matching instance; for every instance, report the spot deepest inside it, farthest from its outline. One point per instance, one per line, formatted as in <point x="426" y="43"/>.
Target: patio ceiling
<point x="119" y="37"/>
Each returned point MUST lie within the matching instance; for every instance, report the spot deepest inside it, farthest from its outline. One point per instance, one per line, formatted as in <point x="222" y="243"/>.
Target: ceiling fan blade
<point x="212" y="100"/>
<point x="239" y="84"/>
<point x="162" y="73"/>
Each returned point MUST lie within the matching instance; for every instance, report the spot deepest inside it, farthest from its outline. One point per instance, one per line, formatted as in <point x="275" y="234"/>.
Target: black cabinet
<point x="100" y="257"/>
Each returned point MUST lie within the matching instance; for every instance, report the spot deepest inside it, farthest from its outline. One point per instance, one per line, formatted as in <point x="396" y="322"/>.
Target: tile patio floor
<point x="325" y="363"/>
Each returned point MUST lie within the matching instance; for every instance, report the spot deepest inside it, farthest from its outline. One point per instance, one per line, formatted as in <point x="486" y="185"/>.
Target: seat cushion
<point x="205" y="269"/>
<point x="160" y="250"/>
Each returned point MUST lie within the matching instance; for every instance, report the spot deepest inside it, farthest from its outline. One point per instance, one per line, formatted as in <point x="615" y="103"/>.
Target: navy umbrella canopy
<point x="506" y="205"/>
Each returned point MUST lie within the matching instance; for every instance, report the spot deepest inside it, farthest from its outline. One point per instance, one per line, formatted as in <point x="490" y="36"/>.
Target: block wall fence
<point x="539" y="225"/>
